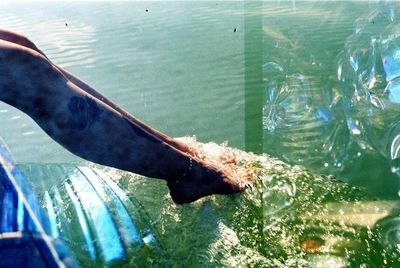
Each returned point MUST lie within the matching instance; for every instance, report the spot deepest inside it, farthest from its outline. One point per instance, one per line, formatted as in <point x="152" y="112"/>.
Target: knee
<point x="17" y="38"/>
<point x="26" y="42"/>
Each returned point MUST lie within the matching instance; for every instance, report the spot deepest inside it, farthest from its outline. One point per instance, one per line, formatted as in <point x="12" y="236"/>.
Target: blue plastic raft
<point x="73" y="207"/>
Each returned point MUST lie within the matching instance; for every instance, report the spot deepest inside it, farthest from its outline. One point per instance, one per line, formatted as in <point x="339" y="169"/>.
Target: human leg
<point x="91" y="129"/>
<point x="25" y="42"/>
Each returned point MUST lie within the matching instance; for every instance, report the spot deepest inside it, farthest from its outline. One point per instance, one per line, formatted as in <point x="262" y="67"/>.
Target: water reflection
<point x="289" y="217"/>
<point x="282" y="220"/>
<point x="395" y="147"/>
<point x="369" y="73"/>
<point x="388" y="230"/>
<point x="334" y="110"/>
<point x="296" y="116"/>
<point x="287" y="97"/>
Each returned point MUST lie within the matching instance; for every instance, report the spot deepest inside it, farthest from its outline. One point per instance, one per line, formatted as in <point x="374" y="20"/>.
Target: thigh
<point x="25" y="75"/>
<point x="19" y="40"/>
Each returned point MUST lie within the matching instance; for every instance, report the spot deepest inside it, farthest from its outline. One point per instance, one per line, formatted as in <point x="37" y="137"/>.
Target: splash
<point x="287" y="217"/>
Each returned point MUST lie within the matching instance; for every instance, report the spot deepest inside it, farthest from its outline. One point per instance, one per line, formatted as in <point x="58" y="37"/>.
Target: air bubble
<point x="369" y="71"/>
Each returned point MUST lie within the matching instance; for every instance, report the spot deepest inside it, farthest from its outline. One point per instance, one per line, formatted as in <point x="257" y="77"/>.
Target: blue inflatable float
<point x="62" y="215"/>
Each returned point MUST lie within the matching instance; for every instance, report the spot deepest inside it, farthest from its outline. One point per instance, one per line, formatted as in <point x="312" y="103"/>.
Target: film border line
<point x="253" y="43"/>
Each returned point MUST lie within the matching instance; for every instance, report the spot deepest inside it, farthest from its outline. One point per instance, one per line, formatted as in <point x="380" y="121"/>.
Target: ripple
<point x="50" y="33"/>
<point x="292" y="116"/>
<point x="369" y="71"/>
<point x="28" y="133"/>
<point x="15" y="117"/>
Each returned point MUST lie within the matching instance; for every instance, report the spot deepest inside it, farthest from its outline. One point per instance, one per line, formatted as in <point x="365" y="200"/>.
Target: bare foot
<point x="206" y="181"/>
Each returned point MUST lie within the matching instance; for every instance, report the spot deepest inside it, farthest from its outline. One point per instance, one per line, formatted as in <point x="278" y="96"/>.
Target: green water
<point x="184" y="69"/>
<point x="272" y="77"/>
<point x="308" y="40"/>
<point x="178" y="67"/>
<point x="271" y="223"/>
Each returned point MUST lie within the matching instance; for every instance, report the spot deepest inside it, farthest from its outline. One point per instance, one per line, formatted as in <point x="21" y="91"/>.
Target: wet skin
<point x="92" y="127"/>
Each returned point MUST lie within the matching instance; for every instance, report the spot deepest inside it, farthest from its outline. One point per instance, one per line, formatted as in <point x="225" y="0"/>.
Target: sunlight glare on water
<point x="330" y="86"/>
<point x="370" y="83"/>
<point x="282" y="220"/>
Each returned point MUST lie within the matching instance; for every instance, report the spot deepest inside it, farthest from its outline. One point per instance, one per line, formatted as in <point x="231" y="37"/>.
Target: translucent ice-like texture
<point x="287" y="98"/>
<point x="386" y="7"/>
<point x="369" y="71"/>
<point x="390" y="51"/>
<point x="299" y="119"/>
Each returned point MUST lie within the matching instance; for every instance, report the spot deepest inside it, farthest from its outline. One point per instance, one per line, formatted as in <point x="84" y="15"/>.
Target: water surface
<point x="205" y="69"/>
<point x="178" y="66"/>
